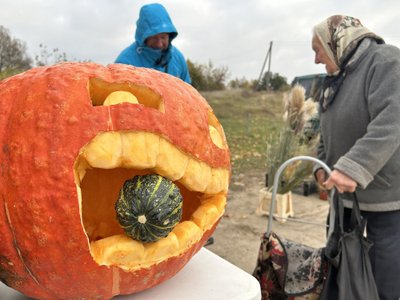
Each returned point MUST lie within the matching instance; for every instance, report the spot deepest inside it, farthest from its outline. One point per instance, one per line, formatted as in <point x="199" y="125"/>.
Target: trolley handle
<point x="276" y="181"/>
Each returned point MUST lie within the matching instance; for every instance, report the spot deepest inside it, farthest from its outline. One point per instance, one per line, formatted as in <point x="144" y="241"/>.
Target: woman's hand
<point x="320" y="176"/>
<point x="342" y="182"/>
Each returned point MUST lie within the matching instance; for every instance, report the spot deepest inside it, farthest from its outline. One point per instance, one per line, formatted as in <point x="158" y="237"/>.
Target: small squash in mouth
<point x="149" y="207"/>
<point x="71" y="136"/>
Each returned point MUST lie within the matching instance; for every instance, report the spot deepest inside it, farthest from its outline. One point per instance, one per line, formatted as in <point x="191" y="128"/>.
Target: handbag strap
<point x="355" y="219"/>
<point x="339" y="212"/>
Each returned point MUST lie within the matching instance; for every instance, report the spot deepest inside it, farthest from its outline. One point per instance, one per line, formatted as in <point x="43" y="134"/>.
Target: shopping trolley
<point x="302" y="278"/>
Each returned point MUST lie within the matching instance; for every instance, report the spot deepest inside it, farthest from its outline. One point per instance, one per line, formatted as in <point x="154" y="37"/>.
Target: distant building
<point x="312" y="84"/>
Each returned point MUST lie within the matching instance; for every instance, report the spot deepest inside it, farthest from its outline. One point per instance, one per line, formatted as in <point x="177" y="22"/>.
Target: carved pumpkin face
<point x="71" y="135"/>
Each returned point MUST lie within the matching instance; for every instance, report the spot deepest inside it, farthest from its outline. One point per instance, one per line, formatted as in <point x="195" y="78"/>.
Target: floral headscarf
<point x="340" y="36"/>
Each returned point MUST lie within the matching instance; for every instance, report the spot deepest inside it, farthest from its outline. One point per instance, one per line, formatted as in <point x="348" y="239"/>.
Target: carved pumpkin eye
<point x="72" y="135"/>
<point x="216" y="131"/>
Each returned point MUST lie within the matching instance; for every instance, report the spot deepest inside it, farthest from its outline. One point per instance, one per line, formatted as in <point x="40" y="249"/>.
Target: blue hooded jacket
<point x="154" y="19"/>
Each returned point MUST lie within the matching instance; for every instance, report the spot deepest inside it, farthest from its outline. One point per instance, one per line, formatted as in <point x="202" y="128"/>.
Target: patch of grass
<point x="248" y="118"/>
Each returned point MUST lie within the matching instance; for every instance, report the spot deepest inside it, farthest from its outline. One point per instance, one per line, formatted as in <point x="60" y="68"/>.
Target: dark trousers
<point x="383" y="229"/>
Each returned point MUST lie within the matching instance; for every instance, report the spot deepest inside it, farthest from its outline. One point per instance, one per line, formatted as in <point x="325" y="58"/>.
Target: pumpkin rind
<point x="47" y="115"/>
<point x="148" y="207"/>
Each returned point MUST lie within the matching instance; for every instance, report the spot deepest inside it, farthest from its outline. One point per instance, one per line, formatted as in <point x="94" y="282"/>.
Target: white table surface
<point x="206" y="277"/>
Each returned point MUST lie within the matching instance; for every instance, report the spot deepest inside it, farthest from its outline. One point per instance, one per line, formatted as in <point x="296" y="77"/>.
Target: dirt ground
<point x="237" y="237"/>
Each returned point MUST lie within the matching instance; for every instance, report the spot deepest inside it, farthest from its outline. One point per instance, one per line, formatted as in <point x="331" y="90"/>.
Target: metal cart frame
<point x="276" y="184"/>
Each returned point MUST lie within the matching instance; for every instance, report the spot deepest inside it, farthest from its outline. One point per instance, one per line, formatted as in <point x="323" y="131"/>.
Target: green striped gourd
<point x="149" y="207"/>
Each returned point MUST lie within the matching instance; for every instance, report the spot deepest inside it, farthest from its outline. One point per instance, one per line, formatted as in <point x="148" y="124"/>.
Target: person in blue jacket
<point x="152" y="47"/>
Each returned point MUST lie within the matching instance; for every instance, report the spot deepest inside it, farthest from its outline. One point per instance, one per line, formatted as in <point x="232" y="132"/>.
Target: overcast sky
<point x="230" y="33"/>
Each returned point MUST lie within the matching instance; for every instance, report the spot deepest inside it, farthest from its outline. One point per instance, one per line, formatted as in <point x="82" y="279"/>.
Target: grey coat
<point x="360" y="131"/>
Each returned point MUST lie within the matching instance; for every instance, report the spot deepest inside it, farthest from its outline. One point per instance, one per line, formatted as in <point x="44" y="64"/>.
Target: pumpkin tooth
<point x="219" y="201"/>
<point x="139" y="150"/>
<point x="206" y="215"/>
<point x="171" y="162"/>
<point x="219" y="181"/>
<point x="104" y="151"/>
<point x="197" y="176"/>
<point x="162" y="249"/>
<point x="118" y="250"/>
<point x="187" y="233"/>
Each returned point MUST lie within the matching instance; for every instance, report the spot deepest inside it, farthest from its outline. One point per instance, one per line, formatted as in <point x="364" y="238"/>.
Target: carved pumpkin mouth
<point x="111" y="158"/>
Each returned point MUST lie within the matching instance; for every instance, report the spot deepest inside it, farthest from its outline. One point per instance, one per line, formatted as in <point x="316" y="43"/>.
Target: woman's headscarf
<point x="340" y="36"/>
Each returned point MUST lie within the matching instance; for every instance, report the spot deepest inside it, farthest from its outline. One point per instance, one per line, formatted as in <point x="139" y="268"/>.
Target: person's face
<point x="158" y="41"/>
<point x="321" y="57"/>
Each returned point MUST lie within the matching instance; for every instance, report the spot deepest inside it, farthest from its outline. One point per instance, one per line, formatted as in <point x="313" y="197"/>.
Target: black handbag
<point x="349" y="271"/>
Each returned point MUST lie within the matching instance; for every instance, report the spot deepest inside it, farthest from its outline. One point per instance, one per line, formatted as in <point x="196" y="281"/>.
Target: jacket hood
<point x="153" y="19"/>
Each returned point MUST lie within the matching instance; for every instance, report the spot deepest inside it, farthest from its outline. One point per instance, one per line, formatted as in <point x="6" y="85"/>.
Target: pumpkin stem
<point x="142" y="219"/>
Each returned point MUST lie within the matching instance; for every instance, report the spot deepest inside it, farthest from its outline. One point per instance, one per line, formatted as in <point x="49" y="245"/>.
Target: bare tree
<point x="13" y="56"/>
<point x="206" y="77"/>
<point x="46" y="57"/>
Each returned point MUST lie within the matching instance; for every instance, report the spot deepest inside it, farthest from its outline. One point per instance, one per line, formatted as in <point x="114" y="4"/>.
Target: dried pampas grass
<point x="291" y="141"/>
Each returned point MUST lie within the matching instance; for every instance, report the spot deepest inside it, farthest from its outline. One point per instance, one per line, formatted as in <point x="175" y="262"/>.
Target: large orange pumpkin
<point x="67" y="148"/>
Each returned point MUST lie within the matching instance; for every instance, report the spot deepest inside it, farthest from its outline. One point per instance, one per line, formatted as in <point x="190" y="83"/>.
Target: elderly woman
<point x="360" y="135"/>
